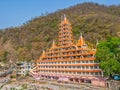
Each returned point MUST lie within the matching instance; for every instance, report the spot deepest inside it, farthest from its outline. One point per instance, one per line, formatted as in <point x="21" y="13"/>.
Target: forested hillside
<point x="27" y="41"/>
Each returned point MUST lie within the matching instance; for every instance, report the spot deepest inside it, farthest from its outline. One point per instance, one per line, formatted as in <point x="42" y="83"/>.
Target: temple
<point x="67" y="60"/>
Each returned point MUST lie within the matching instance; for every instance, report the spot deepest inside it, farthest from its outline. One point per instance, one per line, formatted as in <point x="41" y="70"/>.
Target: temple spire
<point x="43" y="54"/>
<point x="81" y="35"/>
<point x="97" y="42"/>
<point x="65" y="19"/>
<point x="65" y="33"/>
<point x="80" y="41"/>
<point x="53" y="45"/>
<point x="64" y="16"/>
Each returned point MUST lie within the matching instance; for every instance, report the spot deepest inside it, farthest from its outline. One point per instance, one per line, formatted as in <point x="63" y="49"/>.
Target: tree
<point x="108" y="54"/>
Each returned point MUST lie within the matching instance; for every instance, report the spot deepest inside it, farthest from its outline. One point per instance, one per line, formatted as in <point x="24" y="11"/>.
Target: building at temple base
<point x="22" y="68"/>
<point x="67" y="61"/>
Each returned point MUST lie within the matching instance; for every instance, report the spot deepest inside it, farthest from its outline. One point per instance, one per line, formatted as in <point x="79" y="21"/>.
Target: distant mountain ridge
<point x="27" y="41"/>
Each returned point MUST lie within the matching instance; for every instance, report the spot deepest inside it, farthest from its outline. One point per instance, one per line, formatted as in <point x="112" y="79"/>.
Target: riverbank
<point x="31" y="84"/>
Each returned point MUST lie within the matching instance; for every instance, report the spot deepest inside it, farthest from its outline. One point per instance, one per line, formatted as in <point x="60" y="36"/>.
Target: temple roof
<point x="53" y="45"/>
<point x="81" y="41"/>
<point x="43" y="54"/>
<point x="64" y="20"/>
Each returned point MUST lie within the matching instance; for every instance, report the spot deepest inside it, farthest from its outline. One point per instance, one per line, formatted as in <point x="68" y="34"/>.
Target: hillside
<point x="27" y="41"/>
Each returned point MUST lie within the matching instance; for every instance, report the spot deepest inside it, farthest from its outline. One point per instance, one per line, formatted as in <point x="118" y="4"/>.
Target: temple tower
<point x="75" y="62"/>
<point x="81" y="41"/>
<point x="65" y="33"/>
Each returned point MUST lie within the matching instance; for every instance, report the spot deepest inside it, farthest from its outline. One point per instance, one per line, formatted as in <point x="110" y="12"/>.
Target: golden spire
<point x="53" y="45"/>
<point x="43" y="54"/>
<point x="65" y="19"/>
<point x="80" y="41"/>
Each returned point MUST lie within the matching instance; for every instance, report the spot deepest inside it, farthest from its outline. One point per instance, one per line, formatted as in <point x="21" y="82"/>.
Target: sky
<point x="16" y="12"/>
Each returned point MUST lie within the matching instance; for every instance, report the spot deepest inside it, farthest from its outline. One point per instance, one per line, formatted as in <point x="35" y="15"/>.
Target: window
<point x="83" y="67"/>
<point x="96" y="73"/>
<point x="83" y="73"/>
<point x="78" y="66"/>
<point x="78" y="72"/>
<point x="86" y="61"/>
<point x="83" y="61"/>
<point x="91" y="67"/>
<point x="87" y="73"/>
<point x="96" y="67"/>
<point x="87" y="67"/>
<point x="73" y="66"/>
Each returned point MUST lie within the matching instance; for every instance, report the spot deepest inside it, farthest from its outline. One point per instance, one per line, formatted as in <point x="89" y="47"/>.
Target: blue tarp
<point x="116" y="77"/>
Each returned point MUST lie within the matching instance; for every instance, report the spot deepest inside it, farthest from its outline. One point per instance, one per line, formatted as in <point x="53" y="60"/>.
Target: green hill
<point x="27" y="41"/>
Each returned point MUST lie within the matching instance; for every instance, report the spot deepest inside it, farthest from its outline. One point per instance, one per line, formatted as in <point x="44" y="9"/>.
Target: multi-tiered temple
<point x="68" y="61"/>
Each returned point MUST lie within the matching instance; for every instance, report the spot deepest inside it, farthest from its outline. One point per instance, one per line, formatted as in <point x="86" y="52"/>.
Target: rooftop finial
<point x="61" y="18"/>
<point x="43" y="54"/>
<point x="97" y="42"/>
<point x="80" y="35"/>
<point x="64" y="16"/>
<point x="53" y="45"/>
<point x="43" y="51"/>
<point x="81" y="41"/>
<point x="53" y="41"/>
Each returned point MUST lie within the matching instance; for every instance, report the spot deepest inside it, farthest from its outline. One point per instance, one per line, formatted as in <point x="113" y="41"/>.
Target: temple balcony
<point x="67" y="50"/>
<point x="65" y="38"/>
<point x="79" y="54"/>
<point x="71" y="70"/>
<point x="69" y="67"/>
<point x="61" y="60"/>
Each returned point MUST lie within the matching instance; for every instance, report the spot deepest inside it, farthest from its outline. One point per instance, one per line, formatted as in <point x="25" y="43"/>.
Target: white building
<point x="24" y="67"/>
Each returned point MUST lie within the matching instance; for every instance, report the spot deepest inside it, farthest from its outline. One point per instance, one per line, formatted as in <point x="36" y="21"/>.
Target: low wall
<point x="99" y="82"/>
<point x="113" y="85"/>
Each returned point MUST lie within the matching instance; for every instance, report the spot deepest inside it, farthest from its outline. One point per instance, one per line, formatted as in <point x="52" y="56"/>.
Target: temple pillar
<point x="74" y="80"/>
<point x="51" y="78"/>
<point x="79" y="80"/>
